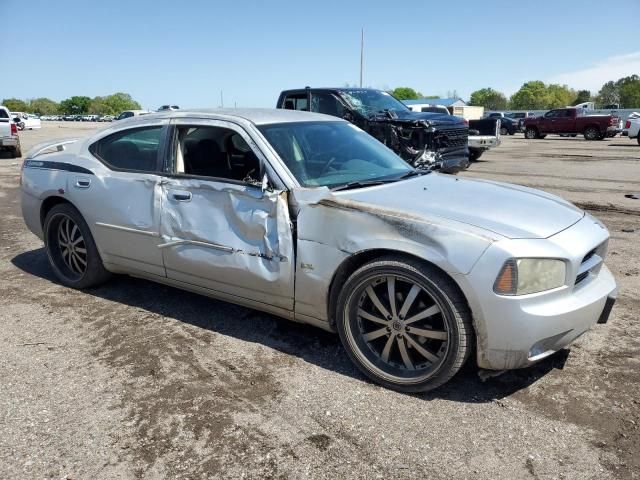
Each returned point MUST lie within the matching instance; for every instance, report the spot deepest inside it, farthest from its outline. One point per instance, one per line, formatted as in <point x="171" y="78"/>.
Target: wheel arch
<point x="355" y="261"/>
<point x="50" y="202"/>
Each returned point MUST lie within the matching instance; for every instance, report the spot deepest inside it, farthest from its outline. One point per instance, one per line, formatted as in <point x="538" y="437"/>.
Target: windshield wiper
<point x="412" y="173"/>
<point x="360" y="184"/>
<point x="379" y="181"/>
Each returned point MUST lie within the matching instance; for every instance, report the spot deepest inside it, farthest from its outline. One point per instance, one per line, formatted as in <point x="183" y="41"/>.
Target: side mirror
<point x="265" y="183"/>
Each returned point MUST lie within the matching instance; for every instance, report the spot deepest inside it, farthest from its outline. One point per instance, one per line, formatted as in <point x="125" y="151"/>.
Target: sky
<point x="187" y="52"/>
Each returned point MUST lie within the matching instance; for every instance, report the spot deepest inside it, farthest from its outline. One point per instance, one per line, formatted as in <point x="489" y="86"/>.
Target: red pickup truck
<point x="571" y="121"/>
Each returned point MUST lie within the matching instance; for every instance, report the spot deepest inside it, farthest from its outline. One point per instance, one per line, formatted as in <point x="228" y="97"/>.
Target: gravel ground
<point x="138" y="380"/>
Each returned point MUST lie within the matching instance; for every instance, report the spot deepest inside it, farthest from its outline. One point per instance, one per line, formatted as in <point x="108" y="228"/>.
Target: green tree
<point x="15" y="105"/>
<point x="629" y="88"/>
<point x="75" y="105"/>
<point x="531" y="96"/>
<point x="43" y="106"/>
<point x="608" y="94"/>
<point x="406" y="93"/>
<point x="120" y="101"/>
<point x="489" y="98"/>
<point x="582" y="96"/>
<point x="558" y="96"/>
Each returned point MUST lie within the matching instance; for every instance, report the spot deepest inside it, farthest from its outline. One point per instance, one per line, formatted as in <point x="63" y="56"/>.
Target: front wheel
<point x="475" y="155"/>
<point x="72" y="252"/>
<point x="404" y="324"/>
<point x="504" y="131"/>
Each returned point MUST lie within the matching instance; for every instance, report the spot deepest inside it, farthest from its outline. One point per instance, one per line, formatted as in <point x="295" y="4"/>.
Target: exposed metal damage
<point x="419" y="142"/>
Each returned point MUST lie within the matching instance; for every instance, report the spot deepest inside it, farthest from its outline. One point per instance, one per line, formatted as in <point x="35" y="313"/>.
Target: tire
<point x="16" y="152"/>
<point x="591" y="133"/>
<point x="531" y="133"/>
<point x="573" y="135"/>
<point x="380" y="341"/>
<point x="64" y="225"/>
<point x="475" y="155"/>
<point x="541" y="136"/>
<point x="512" y="133"/>
<point x="504" y="131"/>
<point x="638" y="139"/>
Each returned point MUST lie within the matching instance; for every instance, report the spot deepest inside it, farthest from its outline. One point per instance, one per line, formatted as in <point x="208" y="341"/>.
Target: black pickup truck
<point x="425" y="140"/>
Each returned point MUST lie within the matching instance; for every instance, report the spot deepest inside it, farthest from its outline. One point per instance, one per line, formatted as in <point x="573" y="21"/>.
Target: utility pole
<point x="361" y="55"/>
<point x="221" y="100"/>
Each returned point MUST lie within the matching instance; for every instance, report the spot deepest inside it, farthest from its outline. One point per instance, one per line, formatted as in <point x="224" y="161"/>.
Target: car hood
<point x="410" y="116"/>
<point x="509" y="210"/>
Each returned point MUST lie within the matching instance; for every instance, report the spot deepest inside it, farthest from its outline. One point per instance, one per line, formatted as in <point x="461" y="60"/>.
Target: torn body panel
<point x="230" y="238"/>
<point x="333" y="227"/>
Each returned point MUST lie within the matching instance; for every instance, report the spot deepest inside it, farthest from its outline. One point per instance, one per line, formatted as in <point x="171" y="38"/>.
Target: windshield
<point x="368" y="102"/>
<point x="333" y="154"/>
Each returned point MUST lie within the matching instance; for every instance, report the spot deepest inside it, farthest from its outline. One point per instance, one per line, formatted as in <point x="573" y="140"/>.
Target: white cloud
<point x="592" y="78"/>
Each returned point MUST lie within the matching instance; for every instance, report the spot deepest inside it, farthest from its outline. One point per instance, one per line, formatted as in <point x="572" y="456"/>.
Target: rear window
<point x="4" y="113"/>
<point x="135" y="149"/>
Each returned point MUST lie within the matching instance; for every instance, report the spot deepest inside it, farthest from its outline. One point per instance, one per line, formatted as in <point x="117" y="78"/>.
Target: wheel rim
<point x="67" y="247"/>
<point x="504" y="131"/>
<point x="530" y="134"/>
<point x="591" y="133"/>
<point x="405" y="340"/>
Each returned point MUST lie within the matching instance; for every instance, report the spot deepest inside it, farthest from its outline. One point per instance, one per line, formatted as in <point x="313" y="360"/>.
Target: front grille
<point x="584" y="270"/>
<point x="589" y="255"/>
<point x="451" y="138"/>
<point x="582" y="276"/>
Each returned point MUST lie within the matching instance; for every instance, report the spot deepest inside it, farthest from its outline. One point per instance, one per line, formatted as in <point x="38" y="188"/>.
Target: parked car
<point x="569" y="121"/>
<point x="632" y="126"/>
<point x="425" y="140"/>
<point x="9" y="139"/>
<point x="131" y="113"/>
<point x="26" y="121"/>
<point x="170" y="108"/>
<point x="107" y="118"/>
<point x="308" y="217"/>
<point x="508" y="126"/>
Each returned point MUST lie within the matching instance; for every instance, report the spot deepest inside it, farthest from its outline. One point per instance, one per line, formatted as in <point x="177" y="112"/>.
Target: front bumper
<point x="518" y="331"/>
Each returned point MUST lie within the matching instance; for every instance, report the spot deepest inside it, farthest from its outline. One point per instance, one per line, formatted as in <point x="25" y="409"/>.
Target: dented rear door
<point x="228" y="236"/>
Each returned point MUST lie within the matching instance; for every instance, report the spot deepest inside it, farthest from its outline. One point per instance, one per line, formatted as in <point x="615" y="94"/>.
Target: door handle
<point x="83" y="182"/>
<point x="181" y="196"/>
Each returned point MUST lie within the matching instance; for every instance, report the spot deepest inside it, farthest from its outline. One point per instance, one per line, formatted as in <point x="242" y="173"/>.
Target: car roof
<point x="257" y="116"/>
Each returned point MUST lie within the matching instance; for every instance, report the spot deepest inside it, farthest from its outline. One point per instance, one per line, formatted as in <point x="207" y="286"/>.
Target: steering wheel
<point x="331" y="155"/>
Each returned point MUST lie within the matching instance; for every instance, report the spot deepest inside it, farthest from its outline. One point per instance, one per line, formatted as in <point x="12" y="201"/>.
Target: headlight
<point x="520" y="276"/>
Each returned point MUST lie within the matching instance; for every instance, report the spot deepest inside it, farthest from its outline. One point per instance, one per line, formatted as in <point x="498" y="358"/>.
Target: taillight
<point x="628" y="124"/>
<point x="14" y="129"/>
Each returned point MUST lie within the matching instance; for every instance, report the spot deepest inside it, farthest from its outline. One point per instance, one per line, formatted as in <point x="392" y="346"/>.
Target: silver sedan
<point x="307" y="217"/>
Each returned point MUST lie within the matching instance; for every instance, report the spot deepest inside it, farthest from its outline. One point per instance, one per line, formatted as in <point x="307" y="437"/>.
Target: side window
<point x="216" y="152"/>
<point x="327" y="104"/>
<point x="4" y="113"/>
<point x="553" y="114"/>
<point x="297" y="101"/>
<point x="135" y="149"/>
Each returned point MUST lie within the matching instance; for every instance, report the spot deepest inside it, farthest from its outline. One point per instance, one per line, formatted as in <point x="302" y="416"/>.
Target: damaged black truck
<point x="430" y="141"/>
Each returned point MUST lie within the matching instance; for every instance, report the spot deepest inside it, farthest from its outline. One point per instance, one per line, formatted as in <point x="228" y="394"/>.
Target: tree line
<point x="76" y="105"/>
<point x="537" y="95"/>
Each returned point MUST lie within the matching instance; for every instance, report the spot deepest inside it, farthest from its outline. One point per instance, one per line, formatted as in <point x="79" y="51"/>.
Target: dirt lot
<point x="137" y="380"/>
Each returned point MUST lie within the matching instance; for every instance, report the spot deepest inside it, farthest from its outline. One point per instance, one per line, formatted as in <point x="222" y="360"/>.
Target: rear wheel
<point x="16" y="151"/>
<point x="475" y="155"/>
<point x="531" y="133"/>
<point x="591" y="133"/>
<point x="404" y="324"/>
<point x="72" y="253"/>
